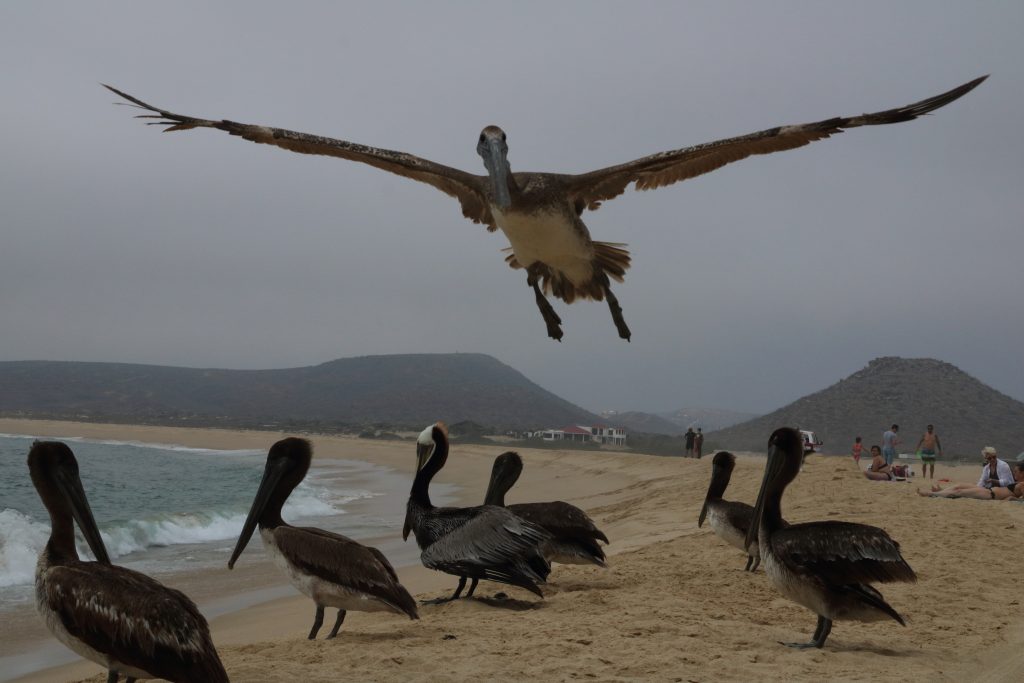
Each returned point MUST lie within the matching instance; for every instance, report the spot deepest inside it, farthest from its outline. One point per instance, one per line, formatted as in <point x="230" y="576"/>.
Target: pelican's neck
<point x="720" y="477"/>
<point x="61" y="544"/>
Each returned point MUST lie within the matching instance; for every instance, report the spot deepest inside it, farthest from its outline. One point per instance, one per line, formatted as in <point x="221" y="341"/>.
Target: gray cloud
<point x="750" y="287"/>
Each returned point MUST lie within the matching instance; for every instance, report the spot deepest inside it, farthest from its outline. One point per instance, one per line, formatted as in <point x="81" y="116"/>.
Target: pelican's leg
<point x="820" y="634"/>
<point x="111" y="676"/>
<point x="337" y="625"/>
<point x="551" y="319"/>
<point x="613" y="306"/>
<point x="318" y="621"/>
<point x="472" y="587"/>
<point x="757" y="562"/>
<point x="750" y="561"/>
<point x="455" y="596"/>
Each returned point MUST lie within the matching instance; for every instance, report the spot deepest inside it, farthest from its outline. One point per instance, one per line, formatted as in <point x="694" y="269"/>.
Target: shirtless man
<point x="927" y="447"/>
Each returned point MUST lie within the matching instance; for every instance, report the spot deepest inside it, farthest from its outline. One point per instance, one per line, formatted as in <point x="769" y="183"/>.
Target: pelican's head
<point x="785" y="454"/>
<point x="504" y="474"/>
<point x="287" y="464"/>
<point x="428" y="442"/>
<point x="493" y="148"/>
<point x="722" y="466"/>
<point x="54" y="471"/>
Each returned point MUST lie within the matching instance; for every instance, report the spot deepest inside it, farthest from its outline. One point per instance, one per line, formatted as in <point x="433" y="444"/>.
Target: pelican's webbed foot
<point x="620" y="322"/>
<point x="551" y="319"/>
<point x="454" y="596"/>
<point x="819" y="637"/>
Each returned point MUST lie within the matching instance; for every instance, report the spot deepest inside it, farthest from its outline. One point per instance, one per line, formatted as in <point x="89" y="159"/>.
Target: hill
<point x="911" y="392"/>
<point x="637" y="421"/>
<point x="398" y="390"/>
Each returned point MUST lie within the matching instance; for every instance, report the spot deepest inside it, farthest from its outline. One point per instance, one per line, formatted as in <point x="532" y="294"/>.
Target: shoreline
<point x="674" y="603"/>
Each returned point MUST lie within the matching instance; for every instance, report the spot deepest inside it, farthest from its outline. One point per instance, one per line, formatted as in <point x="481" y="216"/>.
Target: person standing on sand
<point x="689" y="442"/>
<point x="698" y="443"/>
<point x="857" y="450"/>
<point x="890" y="439"/>
<point x="927" y="447"/>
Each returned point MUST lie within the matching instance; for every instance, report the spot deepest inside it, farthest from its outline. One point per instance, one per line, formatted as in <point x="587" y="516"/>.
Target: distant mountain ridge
<point x="676" y="422"/>
<point x="404" y="390"/>
<point x="910" y="392"/>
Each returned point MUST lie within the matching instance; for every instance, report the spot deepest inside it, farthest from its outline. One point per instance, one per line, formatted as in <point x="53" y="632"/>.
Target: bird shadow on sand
<point x="511" y="604"/>
<point x="864" y="647"/>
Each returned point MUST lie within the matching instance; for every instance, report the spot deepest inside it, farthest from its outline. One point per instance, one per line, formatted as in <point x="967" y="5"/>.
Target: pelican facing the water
<point x="540" y="213"/>
<point x="331" y="569"/>
<point x="825" y="566"/>
<point x="124" y="621"/>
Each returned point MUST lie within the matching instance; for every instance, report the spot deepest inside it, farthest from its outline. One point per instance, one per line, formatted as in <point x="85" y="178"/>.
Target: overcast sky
<point x="751" y="286"/>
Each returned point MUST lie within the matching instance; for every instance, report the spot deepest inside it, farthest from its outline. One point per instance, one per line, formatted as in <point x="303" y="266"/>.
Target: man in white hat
<point x="995" y="472"/>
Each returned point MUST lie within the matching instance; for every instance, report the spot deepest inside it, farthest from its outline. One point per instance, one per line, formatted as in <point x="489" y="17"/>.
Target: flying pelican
<point x="540" y="213"/>
<point x="730" y="520"/>
<point x="825" y="566"/>
<point x="330" y="569"/>
<point x="124" y="621"/>
<point x="484" y="542"/>
<point x="574" y="536"/>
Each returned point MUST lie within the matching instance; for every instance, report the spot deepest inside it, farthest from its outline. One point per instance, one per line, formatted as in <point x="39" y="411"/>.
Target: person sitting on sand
<point x="879" y="469"/>
<point x="995" y="472"/>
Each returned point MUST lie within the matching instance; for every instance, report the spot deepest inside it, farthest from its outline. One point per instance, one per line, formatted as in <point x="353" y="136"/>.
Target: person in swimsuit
<point x="1001" y="490"/>
<point x="879" y="469"/>
<point x="927" y="447"/>
<point x="857" y="449"/>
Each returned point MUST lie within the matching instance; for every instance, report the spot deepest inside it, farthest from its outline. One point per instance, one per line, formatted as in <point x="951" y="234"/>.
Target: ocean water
<point x="165" y="508"/>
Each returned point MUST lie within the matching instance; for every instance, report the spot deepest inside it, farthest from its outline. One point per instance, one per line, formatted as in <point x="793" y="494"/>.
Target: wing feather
<point x="665" y="168"/>
<point x="842" y="552"/>
<point x="134" y="619"/>
<point x="465" y="187"/>
<point x="343" y="561"/>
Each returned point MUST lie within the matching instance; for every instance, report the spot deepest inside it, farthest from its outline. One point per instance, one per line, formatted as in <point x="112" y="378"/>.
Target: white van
<point x="811" y="442"/>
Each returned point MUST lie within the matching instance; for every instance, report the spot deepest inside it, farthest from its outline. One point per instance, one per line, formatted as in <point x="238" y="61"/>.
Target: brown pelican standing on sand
<point x="540" y="212"/>
<point x="330" y="569"/>
<point x="124" y="621"/>
<point x="825" y="566"/>
<point x="574" y="536"/>
<point x="730" y="520"/>
<point x="484" y="542"/>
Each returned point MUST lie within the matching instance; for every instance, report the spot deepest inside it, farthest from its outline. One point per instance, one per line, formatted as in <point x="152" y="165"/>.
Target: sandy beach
<point x="674" y="604"/>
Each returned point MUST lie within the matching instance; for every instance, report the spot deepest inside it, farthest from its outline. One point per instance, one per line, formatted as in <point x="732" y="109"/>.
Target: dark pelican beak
<point x="775" y="462"/>
<point x="272" y="476"/>
<point x="70" y="485"/>
<point x="494" y="150"/>
<point x="704" y="511"/>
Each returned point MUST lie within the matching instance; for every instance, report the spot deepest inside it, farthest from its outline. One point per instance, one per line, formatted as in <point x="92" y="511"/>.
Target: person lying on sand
<point x="878" y="470"/>
<point x="1016" y="490"/>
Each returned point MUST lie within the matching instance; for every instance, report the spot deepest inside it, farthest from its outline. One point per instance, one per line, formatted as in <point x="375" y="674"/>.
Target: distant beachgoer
<point x="890" y="439"/>
<point x="857" y="449"/>
<point x="879" y="470"/>
<point x="698" y="443"/>
<point x="996" y="472"/>
<point x="1014" y="489"/>
<point x="927" y="448"/>
<point x="689" y="442"/>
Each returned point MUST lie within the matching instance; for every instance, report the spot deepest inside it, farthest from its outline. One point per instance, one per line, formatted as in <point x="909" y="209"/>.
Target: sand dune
<point x="674" y="605"/>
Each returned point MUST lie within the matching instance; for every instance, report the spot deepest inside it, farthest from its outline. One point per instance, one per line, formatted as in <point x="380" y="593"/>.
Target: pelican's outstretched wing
<point x="465" y="187"/>
<point x="665" y="168"/>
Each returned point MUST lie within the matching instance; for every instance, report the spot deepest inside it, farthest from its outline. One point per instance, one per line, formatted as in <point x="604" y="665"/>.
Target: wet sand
<point x="674" y="604"/>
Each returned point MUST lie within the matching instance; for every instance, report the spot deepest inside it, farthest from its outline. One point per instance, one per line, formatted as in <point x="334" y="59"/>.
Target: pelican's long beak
<point x="271" y="477"/>
<point x="707" y="496"/>
<point x="70" y="484"/>
<point x="495" y="154"/>
<point x="775" y="460"/>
